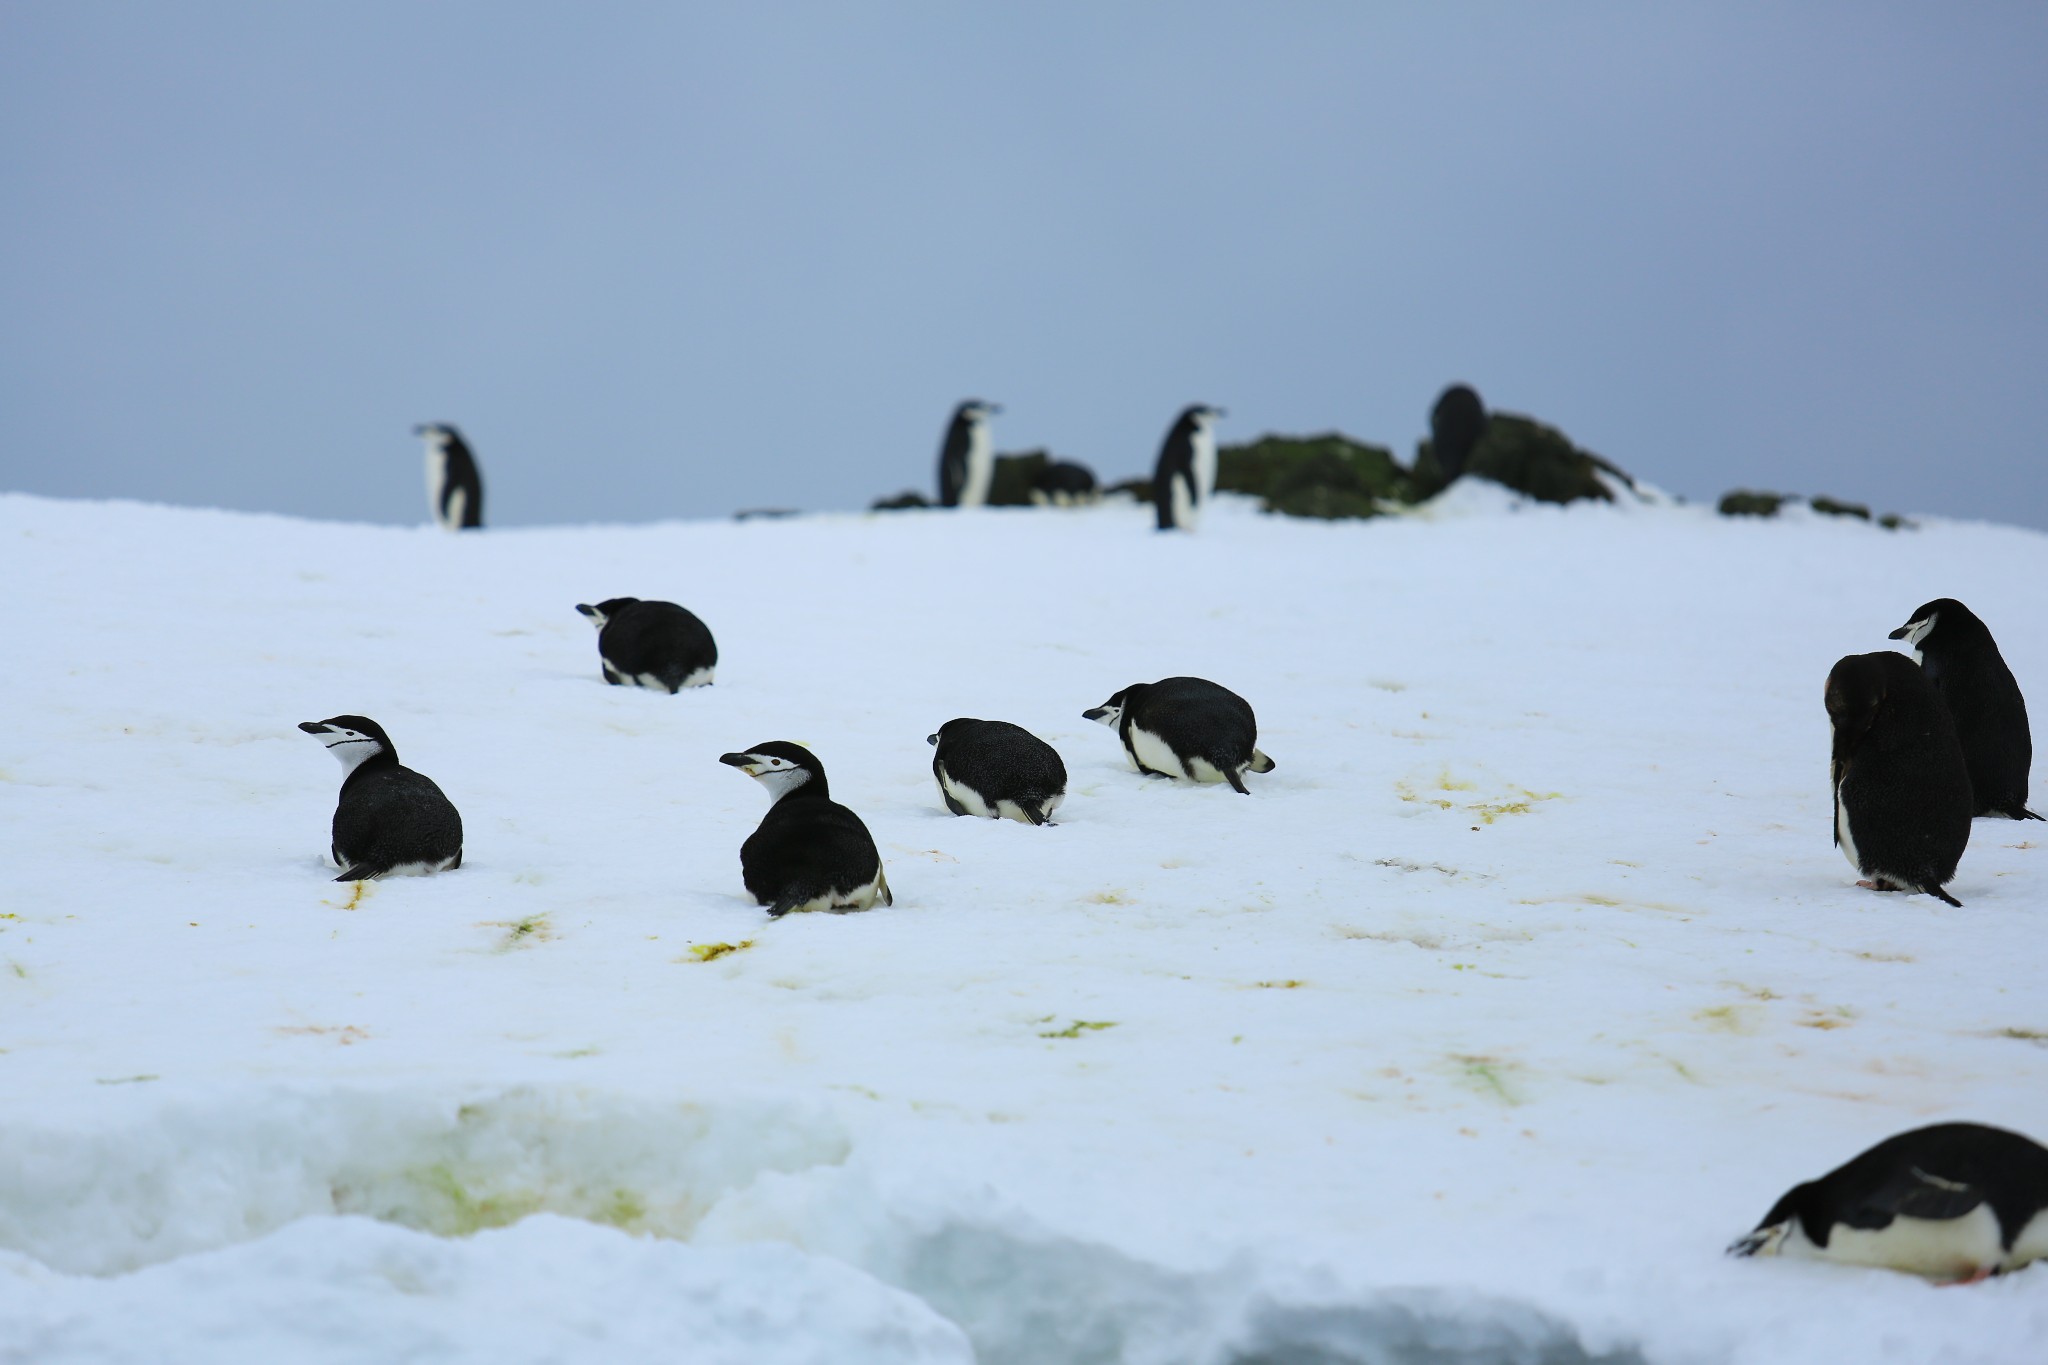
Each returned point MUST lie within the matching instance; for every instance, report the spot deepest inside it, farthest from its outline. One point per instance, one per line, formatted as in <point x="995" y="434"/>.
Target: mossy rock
<point x="1834" y="507"/>
<point x="1014" y="478"/>
<point x="1535" y="458"/>
<point x="1749" y="502"/>
<point x="1140" y="489"/>
<point x="1327" y="476"/>
<point x="902" y="502"/>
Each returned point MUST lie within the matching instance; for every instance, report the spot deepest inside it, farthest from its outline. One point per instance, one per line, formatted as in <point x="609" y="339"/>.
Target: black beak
<point x="1095" y="713"/>
<point x="586" y="609"/>
<point x="1901" y="632"/>
<point x="734" y="760"/>
<point x="313" y="727"/>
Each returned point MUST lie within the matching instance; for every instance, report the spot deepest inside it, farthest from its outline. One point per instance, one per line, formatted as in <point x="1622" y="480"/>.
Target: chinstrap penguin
<point x="1956" y="1202"/>
<point x="1901" y="790"/>
<point x="455" y="491"/>
<point x="810" y="852"/>
<point x="1187" y="728"/>
<point x="658" y="645"/>
<point x="1962" y="661"/>
<point x="1184" y="479"/>
<point x="1455" y="425"/>
<point x="967" y="455"/>
<point x="997" y="770"/>
<point x="390" y="820"/>
<point x="1062" y="483"/>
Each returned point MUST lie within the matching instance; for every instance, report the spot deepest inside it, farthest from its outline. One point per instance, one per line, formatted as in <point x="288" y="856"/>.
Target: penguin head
<point x="1942" y="611"/>
<point x="351" y="739"/>
<point x="1856" y="688"/>
<point x="781" y="767"/>
<point x="437" y="433"/>
<point x="976" y="410"/>
<point x="957" y="724"/>
<point x="1201" y="416"/>
<point x="1111" y="711"/>
<point x="605" y="610"/>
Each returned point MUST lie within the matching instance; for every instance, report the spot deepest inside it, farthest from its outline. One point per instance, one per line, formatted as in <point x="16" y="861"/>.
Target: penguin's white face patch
<point x="1919" y="630"/>
<point x="778" y="775"/>
<point x="349" y="747"/>
<point x="594" y="615"/>
<point x="1105" y="715"/>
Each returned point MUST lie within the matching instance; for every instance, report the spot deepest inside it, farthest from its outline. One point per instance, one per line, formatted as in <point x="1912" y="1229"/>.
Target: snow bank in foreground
<point x="1525" y="983"/>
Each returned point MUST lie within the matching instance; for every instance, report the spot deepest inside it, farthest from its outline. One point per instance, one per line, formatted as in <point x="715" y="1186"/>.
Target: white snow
<point x="1525" y="983"/>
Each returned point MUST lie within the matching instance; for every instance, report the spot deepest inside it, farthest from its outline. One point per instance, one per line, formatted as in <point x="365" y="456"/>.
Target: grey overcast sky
<point x="673" y="260"/>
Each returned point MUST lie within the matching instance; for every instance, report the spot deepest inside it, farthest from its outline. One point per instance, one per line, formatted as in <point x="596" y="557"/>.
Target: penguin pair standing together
<point x="1921" y="749"/>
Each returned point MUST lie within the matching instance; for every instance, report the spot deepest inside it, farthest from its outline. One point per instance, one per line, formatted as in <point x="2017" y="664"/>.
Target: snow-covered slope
<point x="1526" y="982"/>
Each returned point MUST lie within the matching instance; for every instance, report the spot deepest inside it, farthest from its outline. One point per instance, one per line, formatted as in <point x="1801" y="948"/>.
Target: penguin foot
<point x="1978" y="1276"/>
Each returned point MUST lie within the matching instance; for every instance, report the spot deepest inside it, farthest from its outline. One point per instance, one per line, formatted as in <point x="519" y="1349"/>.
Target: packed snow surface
<point x="1526" y="982"/>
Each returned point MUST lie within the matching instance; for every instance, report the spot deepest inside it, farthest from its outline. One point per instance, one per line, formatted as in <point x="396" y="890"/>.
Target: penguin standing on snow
<point x="1960" y="658"/>
<point x="1902" y="790"/>
<point x="810" y="852"/>
<point x="1957" y="1201"/>
<point x="967" y="456"/>
<point x="1455" y="425"/>
<point x="997" y="770"/>
<point x="1188" y="728"/>
<point x="390" y="820"/>
<point x="652" y="644"/>
<point x="455" y="491"/>
<point x="1184" y="479"/>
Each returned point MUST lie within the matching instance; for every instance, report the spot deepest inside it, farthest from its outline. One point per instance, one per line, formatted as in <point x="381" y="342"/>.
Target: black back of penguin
<point x="1962" y="661"/>
<point x="1902" y="792"/>
<point x="1972" y="1199"/>
<point x="1455" y="425"/>
<point x="651" y="644"/>
<point x="1188" y="728"/>
<point x="388" y="818"/>
<point x="455" y="488"/>
<point x="997" y="770"/>
<point x="809" y="852"/>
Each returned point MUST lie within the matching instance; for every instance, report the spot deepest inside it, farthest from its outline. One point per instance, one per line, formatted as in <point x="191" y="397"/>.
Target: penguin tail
<point x="1236" y="781"/>
<point x="885" y="896"/>
<point x="362" y="872"/>
<point x="1944" y="897"/>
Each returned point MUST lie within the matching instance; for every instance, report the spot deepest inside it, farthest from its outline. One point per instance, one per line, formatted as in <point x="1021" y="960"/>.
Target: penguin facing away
<point x="1901" y="789"/>
<point x="1187" y="728"/>
<point x="455" y="490"/>
<point x="1063" y="483"/>
<point x="1955" y="1201"/>
<point x="1184" y="478"/>
<point x="1455" y="425"/>
<point x="967" y="455"/>
<point x="656" y="645"/>
<point x="998" y="771"/>
<point x="809" y="852"/>
<point x="390" y="821"/>
<point x="1960" y="658"/>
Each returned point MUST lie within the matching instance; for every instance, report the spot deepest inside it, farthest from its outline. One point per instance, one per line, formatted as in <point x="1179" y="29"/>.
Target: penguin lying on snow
<point x="1962" y="661"/>
<point x="967" y="456"/>
<point x="810" y="852"/>
<point x="994" y="769"/>
<point x="1957" y="1201"/>
<point x="657" y="645"/>
<point x="1184" y="479"/>
<point x="1063" y="483"/>
<point x="455" y="491"/>
<point x="1902" y="791"/>
<point x="390" y="820"/>
<point x="1186" y="727"/>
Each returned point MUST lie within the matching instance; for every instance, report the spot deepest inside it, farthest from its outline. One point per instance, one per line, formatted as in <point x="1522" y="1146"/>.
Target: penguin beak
<point x="314" y="727"/>
<point x="1096" y="713"/>
<point x="931" y="739"/>
<point x="1902" y="632"/>
<point x="746" y="763"/>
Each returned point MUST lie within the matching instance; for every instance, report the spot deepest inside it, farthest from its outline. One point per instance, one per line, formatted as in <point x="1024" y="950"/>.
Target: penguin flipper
<point x="1032" y="811"/>
<point x="951" y="804"/>
<point x="2022" y="813"/>
<point x="887" y="897"/>
<point x="1236" y="781"/>
<point x="786" y="902"/>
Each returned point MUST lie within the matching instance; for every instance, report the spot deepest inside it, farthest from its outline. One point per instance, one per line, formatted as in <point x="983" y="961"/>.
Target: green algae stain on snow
<point x="711" y="952"/>
<point x="1080" y="1026"/>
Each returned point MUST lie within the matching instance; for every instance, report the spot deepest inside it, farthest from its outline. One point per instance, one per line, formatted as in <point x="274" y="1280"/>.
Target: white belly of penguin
<point x="967" y="798"/>
<point x="420" y="869"/>
<point x="1939" y="1248"/>
<point x="1150" y="751"/>
<point x="1844" y="834"/>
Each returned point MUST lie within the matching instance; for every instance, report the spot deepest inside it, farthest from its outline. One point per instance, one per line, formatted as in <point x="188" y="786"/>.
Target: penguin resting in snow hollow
<point x="656" y="645"/>
<point x="1185" y="727"/>
<point x="810" y="852"/>
<point x="390" y="820"/>
<point x="455" y="490"/>
<point x="997" y="770"/>
<point x="1960" y="658"/>
<point x="1901" y="789"/>
<point x="1955" y="1202"/>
